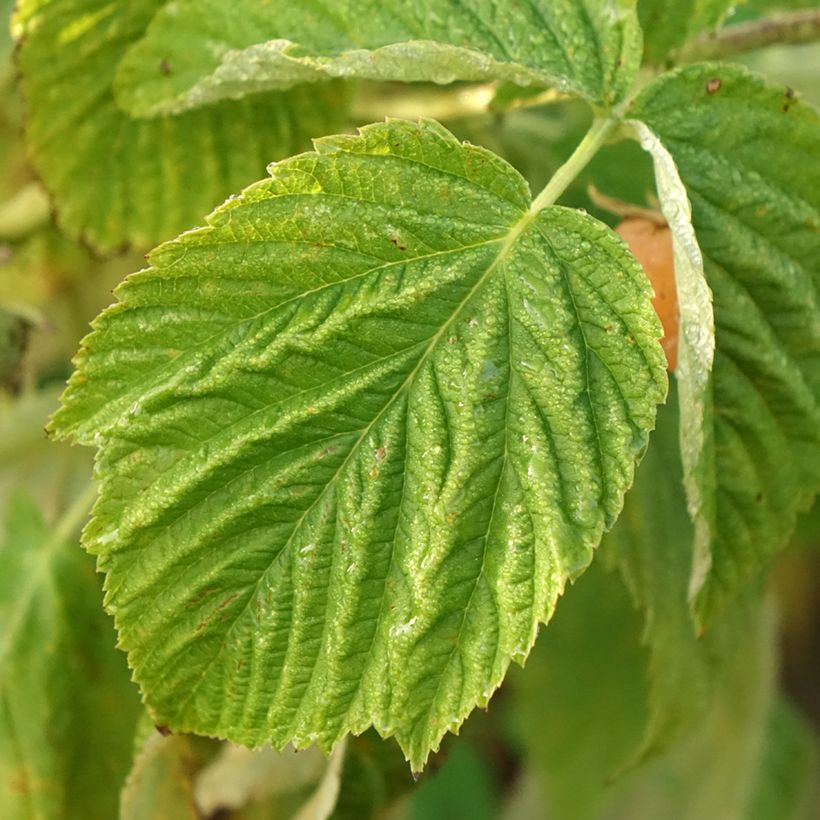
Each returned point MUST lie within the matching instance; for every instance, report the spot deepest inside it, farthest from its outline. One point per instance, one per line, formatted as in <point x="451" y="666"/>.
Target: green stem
<point x="601" y="130"/>
<point x="783" y="29"/>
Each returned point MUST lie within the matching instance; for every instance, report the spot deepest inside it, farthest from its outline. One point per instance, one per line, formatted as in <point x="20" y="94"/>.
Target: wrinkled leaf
<point x="214" y="51"/>
<point x="743" y="151"/>
<point x="117" y="180"/>
<point x="347" y="474"/>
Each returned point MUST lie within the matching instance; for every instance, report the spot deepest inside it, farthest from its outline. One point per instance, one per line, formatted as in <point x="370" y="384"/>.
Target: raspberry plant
<point x="360" y="434"/>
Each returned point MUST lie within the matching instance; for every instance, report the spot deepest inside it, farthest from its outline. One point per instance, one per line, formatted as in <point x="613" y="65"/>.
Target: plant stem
<point x="783" y="29"/>
<point x="601" y="130"/>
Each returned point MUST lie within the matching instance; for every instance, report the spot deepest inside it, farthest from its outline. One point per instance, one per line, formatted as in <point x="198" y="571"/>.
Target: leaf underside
<point x="589" y="47"/>
<point x="744" y="152"/>
<point x="355" y="435"/>
<point x="117" y="180"/>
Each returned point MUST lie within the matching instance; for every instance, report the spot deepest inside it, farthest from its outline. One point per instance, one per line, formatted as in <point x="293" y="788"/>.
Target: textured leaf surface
<point x="591" y="47"/>
<point x="118" y="180"/>
<point x="744" y="152"/>
<point x="67" y="708"/>
<point x="356" y="434"/>
<point x="668" y="24"/>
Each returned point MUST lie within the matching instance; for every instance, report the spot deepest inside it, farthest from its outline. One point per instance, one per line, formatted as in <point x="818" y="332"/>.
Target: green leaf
<point x="354" y="437"/>
<point x="713" y="771"/>
<point x="668" y="24"/>
<point x="742" y="151"/>
<point x="53" y="473"/>
<point x="786" y="786"/>
<point x="67" y="708"/>
<point x="214" y="51"/>
<point x="651" y="545"/>
<point x="581" y="701"/>
<point x="6" y="44"/>
<point x="374" y="778"/>
<point x="696" y="333"/>
<point x="117" y="180"/>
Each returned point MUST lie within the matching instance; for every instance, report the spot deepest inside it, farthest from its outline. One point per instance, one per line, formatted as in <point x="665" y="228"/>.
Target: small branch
<point x="601" y="130"/>
<point x="784" y="29"/>
<point x="625" y="210"/>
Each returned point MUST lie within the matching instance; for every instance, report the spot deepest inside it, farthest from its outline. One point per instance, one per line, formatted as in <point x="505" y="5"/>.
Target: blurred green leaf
<point x="118" y="180"/>
<point x="67" y="707"/>
<point x="580" y="702"/>
<point x="51" y="472"/>
<point x="460" y="790"/>
<point x="787" y="781"/>
<point x="160" y="785"/>
<point x="668" y="24"/>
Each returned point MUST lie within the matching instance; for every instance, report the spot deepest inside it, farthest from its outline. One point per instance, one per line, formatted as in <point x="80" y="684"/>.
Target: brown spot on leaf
<point x="713" y="86"/>
<point x="164" y="68"/>
<point x="163" y="730"/>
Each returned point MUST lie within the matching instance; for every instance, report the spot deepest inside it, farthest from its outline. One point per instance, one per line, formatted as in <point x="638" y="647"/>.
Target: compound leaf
<point x="214" y="51"/>
<point x="742" y="149"/>
<point x="354" y="437"/>
<point x="118" y="180"/>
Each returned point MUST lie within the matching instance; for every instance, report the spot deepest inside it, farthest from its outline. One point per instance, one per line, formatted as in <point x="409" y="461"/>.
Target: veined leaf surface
<point x="214" y="51"/>
<point x="356" y="434"/>
<point x="744" y="152"/>
<point x="117" y="180"/>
